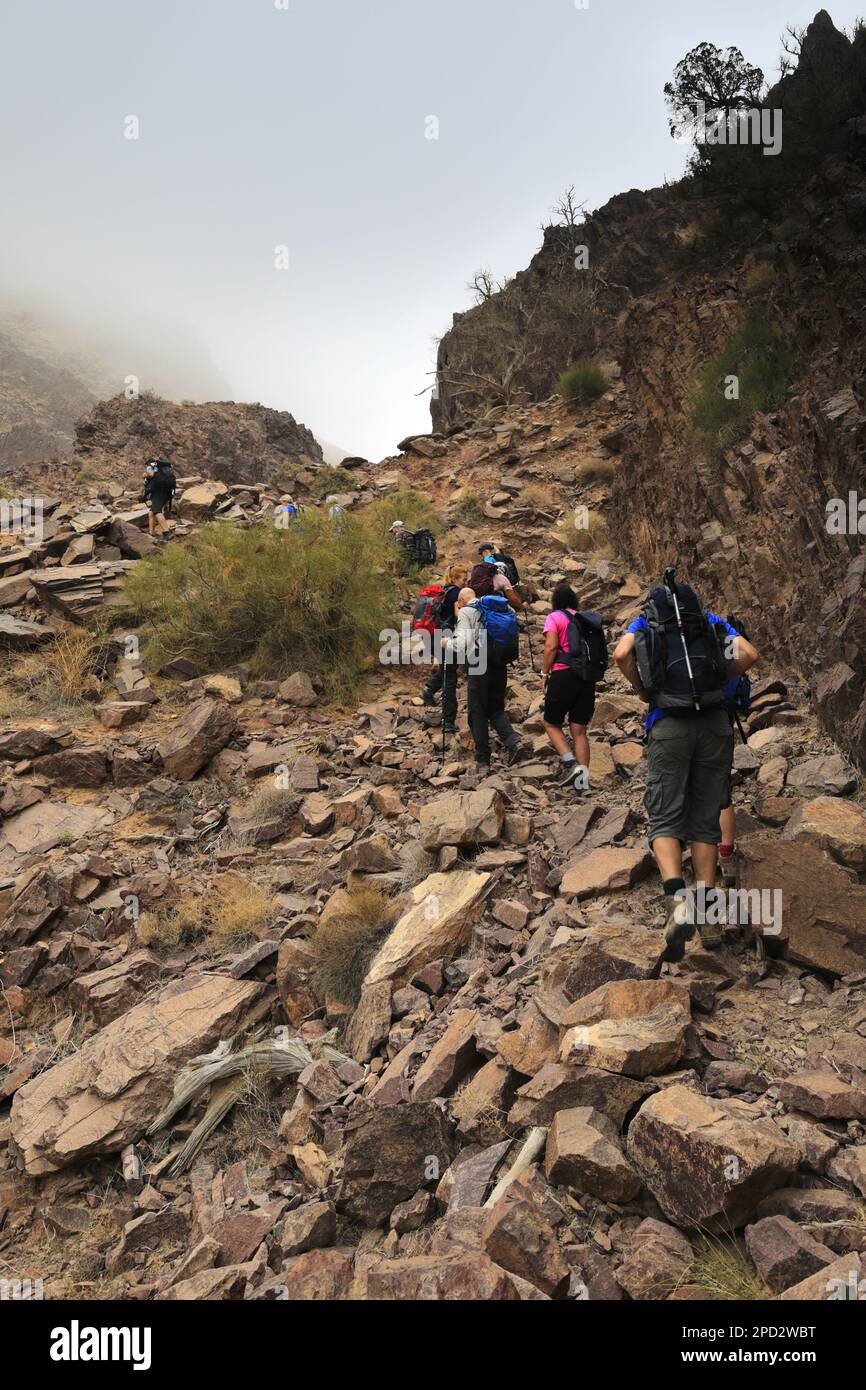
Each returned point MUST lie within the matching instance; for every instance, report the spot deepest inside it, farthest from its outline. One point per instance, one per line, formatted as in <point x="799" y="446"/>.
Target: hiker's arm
<point x="626" y="660"/>
<point x="745" y="656"/>
<point x="551" y="647"/>
<point x="514" y="599"/>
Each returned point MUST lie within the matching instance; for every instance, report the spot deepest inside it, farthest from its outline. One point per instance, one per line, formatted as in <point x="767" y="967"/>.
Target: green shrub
<point x="332" y="479"/>
<point x="408" y="506"/>
<point x="583" y="381"/>
<point x="756" y="354"/>
<point x="311" y="597"/>
<point x="469" y="508"/>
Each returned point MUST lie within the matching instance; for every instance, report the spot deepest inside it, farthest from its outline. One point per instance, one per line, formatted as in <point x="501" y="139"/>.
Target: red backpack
<point x="428" y="603"/>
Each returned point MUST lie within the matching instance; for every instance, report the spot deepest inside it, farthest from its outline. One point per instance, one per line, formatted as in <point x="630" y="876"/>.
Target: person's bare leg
<point x="727" y="825"/>
<point x="580" y="741"/>
<point x="557" y="738"/>
<point x="669" y="857"/>
<point x="704" y="863"/>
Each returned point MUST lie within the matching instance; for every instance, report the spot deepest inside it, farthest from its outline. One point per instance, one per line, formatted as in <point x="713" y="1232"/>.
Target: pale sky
<point x="261" y="126"/>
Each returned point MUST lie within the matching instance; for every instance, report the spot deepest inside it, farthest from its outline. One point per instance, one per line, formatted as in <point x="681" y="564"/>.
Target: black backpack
<point x="424" y="548"/>
<point x="587" y="649"/>
<point x="443" y="609"/>
<point x="510" y="567"/>
<point x="661" y="659"/>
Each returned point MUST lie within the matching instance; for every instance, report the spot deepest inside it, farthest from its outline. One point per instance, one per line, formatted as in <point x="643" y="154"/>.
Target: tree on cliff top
<point x="720" y="79"/>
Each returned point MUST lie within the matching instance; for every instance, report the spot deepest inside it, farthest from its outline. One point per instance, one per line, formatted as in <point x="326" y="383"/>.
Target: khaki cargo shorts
<point x="689" y="776"/>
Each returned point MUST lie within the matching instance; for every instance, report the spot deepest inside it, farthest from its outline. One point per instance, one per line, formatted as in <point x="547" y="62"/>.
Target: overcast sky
<point x="306" y="126"/>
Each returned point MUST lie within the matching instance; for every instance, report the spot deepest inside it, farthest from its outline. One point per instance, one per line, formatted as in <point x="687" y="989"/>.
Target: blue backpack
<point x="499" y="621"/>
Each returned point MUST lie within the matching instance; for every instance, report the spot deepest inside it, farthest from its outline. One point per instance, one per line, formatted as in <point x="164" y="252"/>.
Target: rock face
<point x="707" y="1162"/>
<point x="443" y="909"/>
<point x="195" y="738"/>
<point x="463" y="818"/>
<point x="240" y="443"/>
<point x="103" y="1097"/>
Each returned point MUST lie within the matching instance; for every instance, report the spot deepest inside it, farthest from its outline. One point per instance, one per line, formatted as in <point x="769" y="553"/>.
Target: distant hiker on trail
<point x="575" y="659"/>
<point x="443" y="617"/>
<point x="417" y="548"/>
<point x="678" y="658"/>
<point x="486" y="634"/>
<point x="160" y="489"/>
<point x="285" y="512"/>
<point x="490" y="576"/>
<point x="494" y="548"/>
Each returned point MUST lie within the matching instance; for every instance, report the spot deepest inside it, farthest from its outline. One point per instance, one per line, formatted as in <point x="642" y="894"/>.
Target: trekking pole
<point x="743" y="734"/>
<point x="529" y="642"/>
<point x="672" y="593"/>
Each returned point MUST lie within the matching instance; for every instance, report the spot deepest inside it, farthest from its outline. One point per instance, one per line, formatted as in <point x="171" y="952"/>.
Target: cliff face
<point x="229" y="441"/>
<point x="676" y="271"/>
<point x="38" y="404"/>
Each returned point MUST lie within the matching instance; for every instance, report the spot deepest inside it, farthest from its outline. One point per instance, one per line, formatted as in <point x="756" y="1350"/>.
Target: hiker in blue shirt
<point x="680" y="659"/>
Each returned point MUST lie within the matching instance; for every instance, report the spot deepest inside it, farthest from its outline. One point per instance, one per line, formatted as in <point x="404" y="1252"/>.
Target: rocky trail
<point x="509" y="1006"/>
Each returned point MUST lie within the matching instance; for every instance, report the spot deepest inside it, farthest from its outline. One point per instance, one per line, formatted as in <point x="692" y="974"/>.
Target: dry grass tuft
<point x="722" y="1268"/>
<point x="588" y="538"/>
<point x="225" y="916"/>
<point x="595" y="471"/>
<point x="63" y="676"/>
<point x="345" y="942"/>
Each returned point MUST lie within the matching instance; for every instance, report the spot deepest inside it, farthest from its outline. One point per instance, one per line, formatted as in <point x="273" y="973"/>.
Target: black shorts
<point x="568" y="695"/>
<point x="158" y="504"/>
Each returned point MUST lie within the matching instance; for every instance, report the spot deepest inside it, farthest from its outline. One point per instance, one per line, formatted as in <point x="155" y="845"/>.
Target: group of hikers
<point x="160" y="484"/>
<point x="687" y="664"/>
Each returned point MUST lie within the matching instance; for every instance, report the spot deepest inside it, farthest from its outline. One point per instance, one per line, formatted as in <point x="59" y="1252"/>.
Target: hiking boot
<point x="566" y="773"/>
<point x="429" y="700"/>
<point x="450" y="729"/>
<point x="711" y="936"/>
<point x="728" y="872"/>
<point x="679" y="928"/>
<point x="513" y="753"/>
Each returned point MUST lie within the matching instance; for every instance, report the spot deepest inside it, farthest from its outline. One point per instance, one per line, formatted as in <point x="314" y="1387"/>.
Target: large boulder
<point x="463" y="818"/>
<point x="635" y="1027"/>
<point x="832" y="824"/>
<point x="708" y="1162"/>
<point x="104" y="1096"/>
<point x="444" y="906"/>
<point x="583" y="1152"/>
<point x="466" y="1276"/>
<point x="198" y="736"/>
<point x="37" y="898"/>
<point x="827" y="775"/>
<point x="823" y="912"/>
<point x="197" y="502"/>
<point x="520" y="1238"/>
<point x="604" y="871"/>
<point x="390" y="1154"/>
